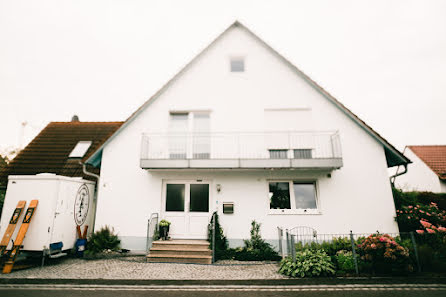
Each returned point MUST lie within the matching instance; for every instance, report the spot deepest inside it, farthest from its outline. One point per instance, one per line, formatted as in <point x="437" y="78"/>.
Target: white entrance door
<point x="186" y="205"/>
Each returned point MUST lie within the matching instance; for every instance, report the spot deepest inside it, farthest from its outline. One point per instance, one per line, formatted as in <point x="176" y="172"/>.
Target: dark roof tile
<point x="48" y="151"/>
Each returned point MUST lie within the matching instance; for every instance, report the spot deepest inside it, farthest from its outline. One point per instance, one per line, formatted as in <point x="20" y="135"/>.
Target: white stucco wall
<point x="357" y="197"/>
<point x="419" y="176"/>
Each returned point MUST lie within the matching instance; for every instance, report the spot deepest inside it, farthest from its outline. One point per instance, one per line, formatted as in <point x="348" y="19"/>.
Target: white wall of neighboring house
<point x="419" y="176"/>
<point x="356" y="197"/>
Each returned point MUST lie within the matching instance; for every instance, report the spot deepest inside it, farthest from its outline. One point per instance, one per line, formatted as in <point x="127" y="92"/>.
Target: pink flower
<point x="408" y="218"/>
<point x="373" y="246"/>
<point x="420" y="231"/>
<point x="382" y="239"/>
<point x="442" y="229"/>
<point x="425" y="224"/>
<point x="430" y="230"/>
<point x="410" y="206"/>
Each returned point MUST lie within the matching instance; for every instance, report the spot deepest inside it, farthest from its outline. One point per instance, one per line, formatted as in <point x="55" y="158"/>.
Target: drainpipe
<point x="84" y="170"/>
<point x="393" y="177"/>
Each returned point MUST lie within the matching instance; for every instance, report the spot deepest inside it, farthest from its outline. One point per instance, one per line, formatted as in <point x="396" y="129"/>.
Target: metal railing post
<point x="287" y="243"/>
<point x="415" y="250"/>
<point x="354" y="252"/>
<point x="213" y="238"/>
<point x="149" y="238"/>
<point x="293" y="248"/>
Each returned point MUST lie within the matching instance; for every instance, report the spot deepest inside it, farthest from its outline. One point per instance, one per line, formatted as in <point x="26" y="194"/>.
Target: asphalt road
<point x="226" y="291"/>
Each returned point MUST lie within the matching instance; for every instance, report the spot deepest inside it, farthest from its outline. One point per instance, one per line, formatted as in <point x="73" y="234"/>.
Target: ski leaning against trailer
<point x="11" y="227"/>
<point x="20" y="236"/>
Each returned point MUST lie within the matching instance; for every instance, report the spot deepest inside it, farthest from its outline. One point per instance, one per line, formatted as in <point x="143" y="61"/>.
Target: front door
<point x="186" y="205"/>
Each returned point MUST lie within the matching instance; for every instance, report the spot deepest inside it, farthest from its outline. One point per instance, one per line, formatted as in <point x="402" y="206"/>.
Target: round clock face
<point x="81" y="205"/>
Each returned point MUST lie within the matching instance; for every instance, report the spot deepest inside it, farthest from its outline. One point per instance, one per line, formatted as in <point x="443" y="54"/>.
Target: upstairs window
<point x="80" y="149"/>
<point x="237" y="65"/>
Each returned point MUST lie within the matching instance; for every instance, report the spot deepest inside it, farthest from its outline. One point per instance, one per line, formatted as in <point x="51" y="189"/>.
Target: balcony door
<point x="186" y="204"/>
<point x="189" y="135"/>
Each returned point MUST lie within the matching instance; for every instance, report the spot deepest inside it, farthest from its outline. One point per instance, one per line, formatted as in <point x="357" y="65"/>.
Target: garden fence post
<point x="213" y="238"/>
<point x="354" y="252"/>
<point x="280" y="230"/>
<point x="293" y="248"/>
<point x="287" y="243"/>
<point x="415" y="250"/>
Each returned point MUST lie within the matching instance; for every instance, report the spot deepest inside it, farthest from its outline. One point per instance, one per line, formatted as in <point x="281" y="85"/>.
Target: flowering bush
<point x="421" y="217"/>
<point x="385" y="254"/>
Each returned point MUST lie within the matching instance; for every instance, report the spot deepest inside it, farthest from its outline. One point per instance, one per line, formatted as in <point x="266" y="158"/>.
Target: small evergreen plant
<point x="221" y="243"/>
<point x="103" y="240"/>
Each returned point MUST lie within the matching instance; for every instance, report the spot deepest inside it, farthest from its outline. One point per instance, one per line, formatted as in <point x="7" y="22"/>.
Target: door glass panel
<point x="178" y="135"/>
<point x="199" y="198"/>
<point x="175" y="197"/>
<point x="202" y="141"/>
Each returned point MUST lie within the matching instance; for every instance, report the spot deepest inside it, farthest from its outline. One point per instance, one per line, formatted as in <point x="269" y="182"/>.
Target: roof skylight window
<point x="80" y="149"/>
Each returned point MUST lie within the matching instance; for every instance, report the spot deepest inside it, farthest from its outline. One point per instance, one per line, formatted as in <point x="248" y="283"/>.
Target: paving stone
<point x="138" y="268"/>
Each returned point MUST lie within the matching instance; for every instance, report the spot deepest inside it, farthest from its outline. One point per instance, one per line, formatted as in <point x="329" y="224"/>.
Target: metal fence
<point x="301" y="238"/>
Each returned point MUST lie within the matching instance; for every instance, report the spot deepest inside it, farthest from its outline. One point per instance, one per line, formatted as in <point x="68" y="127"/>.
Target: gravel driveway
<point x="135" y="267"/>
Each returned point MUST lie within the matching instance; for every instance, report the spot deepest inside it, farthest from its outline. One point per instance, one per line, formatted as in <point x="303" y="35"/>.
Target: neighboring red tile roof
<point x="48" y="151"/>
<point x="434" y="156"/>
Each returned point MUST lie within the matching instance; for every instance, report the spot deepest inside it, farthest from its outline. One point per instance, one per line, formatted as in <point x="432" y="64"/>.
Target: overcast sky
<point x="385" y="60"/>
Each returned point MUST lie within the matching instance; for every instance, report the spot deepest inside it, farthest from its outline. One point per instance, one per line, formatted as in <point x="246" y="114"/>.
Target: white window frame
<point x="294" y="210"/>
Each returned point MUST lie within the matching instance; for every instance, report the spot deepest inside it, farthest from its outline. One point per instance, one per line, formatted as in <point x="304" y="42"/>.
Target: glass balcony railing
<point x="242" y="150"/>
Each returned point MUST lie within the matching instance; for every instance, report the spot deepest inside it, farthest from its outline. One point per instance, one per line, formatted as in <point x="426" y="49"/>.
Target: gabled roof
<point x="48" y="152"/>
<point x="434" y="156"/>
<point x="393" y="156"/>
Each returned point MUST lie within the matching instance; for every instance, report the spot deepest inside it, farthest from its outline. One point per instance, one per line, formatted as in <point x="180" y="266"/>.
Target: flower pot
<point x="164" y="232"/>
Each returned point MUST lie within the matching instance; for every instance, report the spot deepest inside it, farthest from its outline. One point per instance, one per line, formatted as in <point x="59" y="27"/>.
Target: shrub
<point x="103" y="240"/>
<point x="308" y="264"/>
<point x="330" y="247"/>
<point x="345" y="261"/>
<point x="385" y="254"/>
<point x="420" y="217"/>
<point x="256" y="249"/>
<point x="221" y="243"/>
<point x="411" y="198"/>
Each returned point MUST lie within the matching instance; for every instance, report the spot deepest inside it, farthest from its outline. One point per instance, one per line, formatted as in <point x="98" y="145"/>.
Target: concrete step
<point x="179" y="251"/>
<point x="175" y="258"/>
<point x="181" y="244"/>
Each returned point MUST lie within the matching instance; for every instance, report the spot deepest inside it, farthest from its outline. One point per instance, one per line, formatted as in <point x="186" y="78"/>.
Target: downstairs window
<point x="292" y="197"/>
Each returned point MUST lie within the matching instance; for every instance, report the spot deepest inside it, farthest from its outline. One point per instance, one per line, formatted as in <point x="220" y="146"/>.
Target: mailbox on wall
<point x="228" y="207"/>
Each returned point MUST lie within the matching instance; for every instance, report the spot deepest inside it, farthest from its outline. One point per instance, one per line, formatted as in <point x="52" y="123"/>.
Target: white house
<point x="242" y="128"/>
<point x="428" y="171"/>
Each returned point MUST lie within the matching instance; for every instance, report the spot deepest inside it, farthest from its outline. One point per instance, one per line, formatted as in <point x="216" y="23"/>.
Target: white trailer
<point x="64" y="203"/>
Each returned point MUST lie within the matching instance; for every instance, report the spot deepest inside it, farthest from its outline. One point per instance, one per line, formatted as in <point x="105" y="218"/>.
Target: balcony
<point x="262" y="150"/>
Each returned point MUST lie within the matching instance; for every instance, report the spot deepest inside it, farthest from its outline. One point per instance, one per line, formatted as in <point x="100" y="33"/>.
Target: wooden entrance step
<point x="180" y="251"/>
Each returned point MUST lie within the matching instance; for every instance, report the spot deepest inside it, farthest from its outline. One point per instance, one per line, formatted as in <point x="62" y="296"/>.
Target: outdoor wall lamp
<point x="218" y="188"/>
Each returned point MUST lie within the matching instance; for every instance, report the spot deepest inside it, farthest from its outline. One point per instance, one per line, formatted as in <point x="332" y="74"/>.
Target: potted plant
<point x="164" y="229"/>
